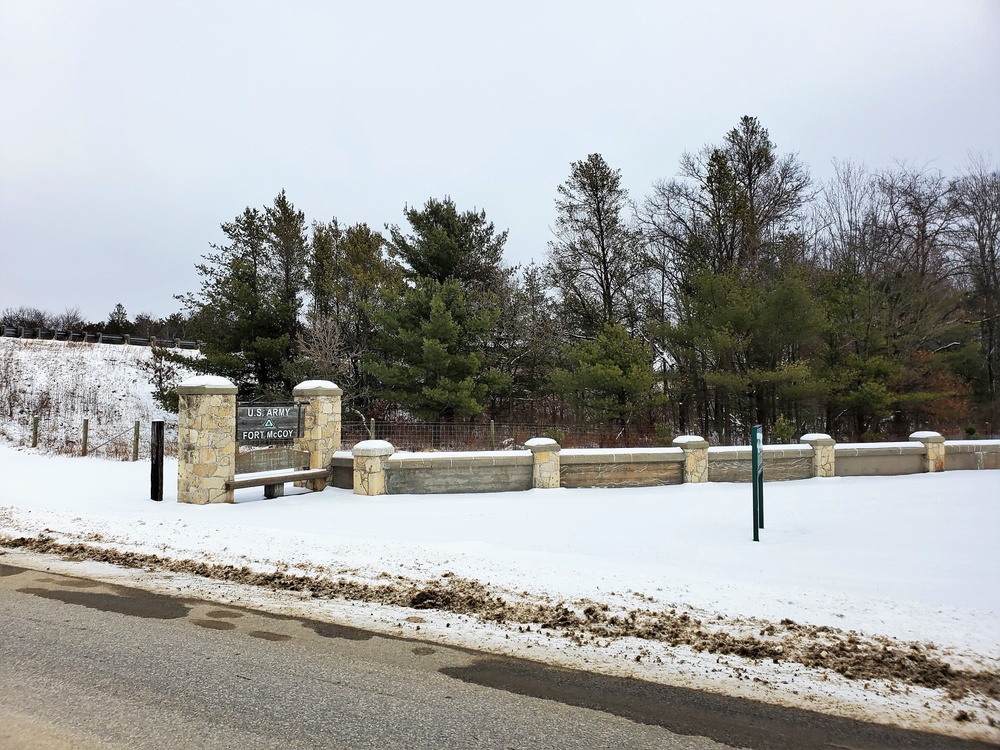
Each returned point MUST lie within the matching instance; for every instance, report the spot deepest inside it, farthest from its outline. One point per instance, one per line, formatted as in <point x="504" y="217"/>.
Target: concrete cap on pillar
<point x="206" y="384"/>
<point x="537" y="445"/>
<point x="690" y="441"/>
<point x="373" y="448"/>
<point x="317" y="388"/>
<point x="817" y="438"/>
<point x="927" y="436"/>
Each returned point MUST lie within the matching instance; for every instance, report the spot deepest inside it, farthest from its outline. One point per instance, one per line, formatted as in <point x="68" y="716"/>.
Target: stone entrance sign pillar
<point x="206" y="436"/>
<point x="321" y="425"/>
<point x="695" y="450"/>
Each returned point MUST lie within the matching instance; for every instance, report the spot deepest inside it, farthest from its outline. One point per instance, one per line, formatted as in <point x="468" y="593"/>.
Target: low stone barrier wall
<point x="692" y="460"/>
<point x="879" y="459"/>
<point x="969" y="455"/>
<point x="487" y="471"/>
<point x="621" y="467"/>
<point x="781" y="463"/>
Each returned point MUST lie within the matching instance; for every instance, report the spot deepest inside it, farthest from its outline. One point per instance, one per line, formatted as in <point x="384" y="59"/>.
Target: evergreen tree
<point x="118" y="322"/>
<point x="444" y="243"/>
<point x="594" y="263"/>
<point x="431" y="357"/>
<point x="247" y="310"/>
<point x="609" y="378"/>
<point x="726" y="258"/>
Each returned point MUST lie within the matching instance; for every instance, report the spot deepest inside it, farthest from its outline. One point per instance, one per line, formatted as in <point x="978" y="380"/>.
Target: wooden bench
<point x="274" y="482"/>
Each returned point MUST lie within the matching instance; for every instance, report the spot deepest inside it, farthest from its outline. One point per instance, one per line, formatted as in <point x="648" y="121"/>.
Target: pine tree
<point x="247" y="310"/>
<point x="431" y="355"/>
<point x="595" y="263"/>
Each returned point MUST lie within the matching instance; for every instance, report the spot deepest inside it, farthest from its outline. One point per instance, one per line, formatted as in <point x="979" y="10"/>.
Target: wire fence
<point x="90" y="438"/>
<point x="449" y="436"/>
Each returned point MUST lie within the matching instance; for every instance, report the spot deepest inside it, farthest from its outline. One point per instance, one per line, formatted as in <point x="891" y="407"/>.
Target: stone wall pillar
<point x="369" y="466"/>
<point x="206" y="436"/>
<point x="695" y="457"/>
<point x="544" y="463"/>
<point x="824" y="453"/>
<point x="321" y="425"/>
<point x="933" y="447"/>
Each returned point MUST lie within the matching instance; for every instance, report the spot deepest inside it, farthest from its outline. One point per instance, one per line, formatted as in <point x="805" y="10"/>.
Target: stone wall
<point x="781" y="463"/>
<point x="878" y="459"/>
<point x="649" y="467"/>
<point x="691" y="461"/>
<point x="500" y="471"/>
<point x="207" y="456"/>
<point x="970" y="455"/>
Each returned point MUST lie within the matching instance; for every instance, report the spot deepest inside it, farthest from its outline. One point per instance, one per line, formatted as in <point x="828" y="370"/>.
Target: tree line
<point x="118" y="322"/>
<point x="737" y="292"/>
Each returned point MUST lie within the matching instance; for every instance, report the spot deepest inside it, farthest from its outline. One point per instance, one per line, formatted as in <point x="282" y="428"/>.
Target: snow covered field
<point x="894" y="560"/>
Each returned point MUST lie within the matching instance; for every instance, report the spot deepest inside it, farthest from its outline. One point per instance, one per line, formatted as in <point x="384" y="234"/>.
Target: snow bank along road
<point x="869" y="598"/>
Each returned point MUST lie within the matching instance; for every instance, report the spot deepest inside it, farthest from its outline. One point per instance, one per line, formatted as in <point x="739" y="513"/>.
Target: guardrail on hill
<point x="53" y="334"/>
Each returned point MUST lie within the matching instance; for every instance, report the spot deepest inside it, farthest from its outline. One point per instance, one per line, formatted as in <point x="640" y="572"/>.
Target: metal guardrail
<point x="54" y="334"/>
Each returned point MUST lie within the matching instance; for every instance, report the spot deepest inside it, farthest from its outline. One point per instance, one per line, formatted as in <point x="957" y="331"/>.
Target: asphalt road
<point x="89" y="665"/>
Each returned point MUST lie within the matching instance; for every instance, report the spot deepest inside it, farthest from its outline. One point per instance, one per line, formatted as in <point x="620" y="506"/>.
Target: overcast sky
<point x="130" y="130"/>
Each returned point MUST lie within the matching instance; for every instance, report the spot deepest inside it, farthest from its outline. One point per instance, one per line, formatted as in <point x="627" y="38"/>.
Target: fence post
<point x="34" y="431"/>
<point x="86" y="433"/>
<point x="156" y="456"/>
<point x="371" y="430"/>
<point x="135" y="442"/>
<point x="757" y="478"/>
<point x="493" y="436"/>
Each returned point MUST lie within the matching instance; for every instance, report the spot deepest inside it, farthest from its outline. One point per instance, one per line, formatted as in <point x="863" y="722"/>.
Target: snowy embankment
<point x="62" y="383"/>
<point x="659" y="583"/>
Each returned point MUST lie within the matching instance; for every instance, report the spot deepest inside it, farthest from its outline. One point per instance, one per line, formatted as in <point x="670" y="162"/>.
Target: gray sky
<point x="130" y="130"/>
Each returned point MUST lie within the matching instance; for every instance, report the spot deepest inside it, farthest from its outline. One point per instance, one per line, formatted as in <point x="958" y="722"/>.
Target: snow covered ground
<point x="873" y="562"/>
<point x="64" y="382"/>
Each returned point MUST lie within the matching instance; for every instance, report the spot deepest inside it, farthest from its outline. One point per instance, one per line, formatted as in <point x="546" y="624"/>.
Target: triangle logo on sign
<point x="269" y="423"/>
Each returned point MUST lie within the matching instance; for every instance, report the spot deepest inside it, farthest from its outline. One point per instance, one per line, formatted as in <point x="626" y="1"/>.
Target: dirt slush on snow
<point x="872" y="598"/>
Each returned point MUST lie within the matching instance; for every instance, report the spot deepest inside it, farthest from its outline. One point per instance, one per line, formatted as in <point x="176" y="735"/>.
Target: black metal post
<point x="156" y="455"/>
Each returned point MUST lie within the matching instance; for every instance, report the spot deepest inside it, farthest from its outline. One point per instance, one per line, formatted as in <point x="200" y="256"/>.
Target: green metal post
<point x="756" y="479"/>
<point x="86" y="435"/>
<point x="135" y="442"/>
<point x="34" y="432"/>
